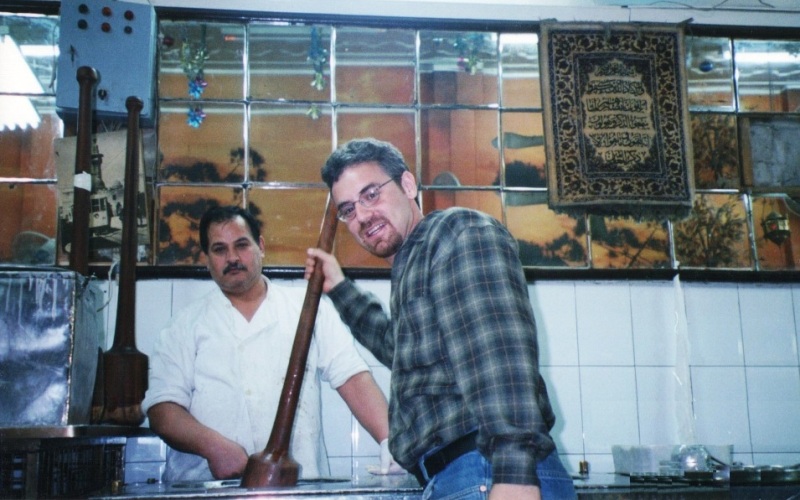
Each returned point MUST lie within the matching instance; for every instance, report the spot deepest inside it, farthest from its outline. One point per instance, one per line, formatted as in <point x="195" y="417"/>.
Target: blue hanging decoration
<point x="195" y="116"/>
<point x="196" y="87"/>
<point x="193" y="62"/>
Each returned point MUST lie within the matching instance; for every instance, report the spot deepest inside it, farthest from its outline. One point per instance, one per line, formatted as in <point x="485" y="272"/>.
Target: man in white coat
<point x="218" y="368"/>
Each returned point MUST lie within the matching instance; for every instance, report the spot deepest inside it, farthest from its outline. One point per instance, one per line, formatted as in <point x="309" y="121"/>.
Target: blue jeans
<point x="469" y="477"/>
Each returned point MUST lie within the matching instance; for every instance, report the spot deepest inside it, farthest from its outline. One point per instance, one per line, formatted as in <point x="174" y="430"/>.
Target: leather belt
<point x="438" y="461"/>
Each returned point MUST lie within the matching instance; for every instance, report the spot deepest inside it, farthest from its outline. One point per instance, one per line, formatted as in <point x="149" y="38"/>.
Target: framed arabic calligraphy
<point x="616" y="120"/>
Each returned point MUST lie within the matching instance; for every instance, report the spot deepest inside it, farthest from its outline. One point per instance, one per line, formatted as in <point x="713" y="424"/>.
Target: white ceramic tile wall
<point x="773" y="396"/>
<point x="768" y="332"/>
<point x="720" y="406"/>
<point x="712" y="311"/>
<point x="619" y="365"/>
<point x="605" y="328"/>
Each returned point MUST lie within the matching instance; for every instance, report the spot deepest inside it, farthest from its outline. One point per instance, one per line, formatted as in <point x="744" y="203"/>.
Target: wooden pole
<point x="274" y="466"/>
<point x="81" y="203"/>
<point x="124" y="367"/>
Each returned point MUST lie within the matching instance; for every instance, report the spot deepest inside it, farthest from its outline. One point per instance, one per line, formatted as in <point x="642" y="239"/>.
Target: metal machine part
<point x="50" y="329"/>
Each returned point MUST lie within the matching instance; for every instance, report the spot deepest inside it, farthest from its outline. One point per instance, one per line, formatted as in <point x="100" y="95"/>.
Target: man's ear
<point x="262" y="246"/>
<point x="409" y="184"/>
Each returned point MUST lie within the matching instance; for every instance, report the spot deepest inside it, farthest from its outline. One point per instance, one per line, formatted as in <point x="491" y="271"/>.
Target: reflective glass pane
<point x="396" y="127"/>
<point x="292" y="219"/>
<point x="289" y="143"/>
<point x="547" y="239"/>
<point x="709" y="72"/>
<point x="715" y="235"/>
<point x="623" y="243"/>
<point x="520" y="65"/>
<point x="28" y="152"/>
<point x="201" y="60"/>
<point x="210" y="152"/>
<point x="485" y="201"/>
<point x="458" y="67"/>
<point x="777" y="231"/>
<point x="28" y="54"/>
<point x="715" y="143"/>
<point x="772" y="158"/>
<point x="523" y="149"/>
<point x="375" y="66"/>
<point x="29" y="236"/>
<point x="768" y="72"/>
<point x="460" y="143"/>
<point x="290" y="62"/>
<point x="179" y="211"/>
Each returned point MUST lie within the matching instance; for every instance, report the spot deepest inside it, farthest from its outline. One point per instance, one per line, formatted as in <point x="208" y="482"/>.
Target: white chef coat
<point x="229" y="374"/>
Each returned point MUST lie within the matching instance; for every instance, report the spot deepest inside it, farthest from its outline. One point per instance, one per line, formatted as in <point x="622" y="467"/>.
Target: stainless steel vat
<point x="50" y="330"/>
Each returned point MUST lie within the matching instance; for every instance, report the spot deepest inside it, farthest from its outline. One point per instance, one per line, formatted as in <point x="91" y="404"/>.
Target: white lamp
<point x="16" y="77"/>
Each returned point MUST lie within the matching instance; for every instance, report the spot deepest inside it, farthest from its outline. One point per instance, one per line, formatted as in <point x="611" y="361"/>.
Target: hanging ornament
<point x="469" y="48"/>
<point x="195" y="116"/>
<point x="193" y="58"/>
<point x="318" y="57"/>
<point x="776" y="228"/>
<point x="313" y="112"/>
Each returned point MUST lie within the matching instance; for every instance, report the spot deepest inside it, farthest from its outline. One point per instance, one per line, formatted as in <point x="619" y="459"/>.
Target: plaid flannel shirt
<point x="461" y="345"/>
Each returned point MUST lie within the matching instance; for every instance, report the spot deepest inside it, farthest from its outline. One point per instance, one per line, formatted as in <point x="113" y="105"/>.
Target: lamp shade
<point x="16" y="77"/>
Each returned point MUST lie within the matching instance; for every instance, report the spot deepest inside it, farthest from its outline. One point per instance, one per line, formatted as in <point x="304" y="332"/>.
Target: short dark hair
<point x="217" y="214"/>
<point x="361" y="151"/>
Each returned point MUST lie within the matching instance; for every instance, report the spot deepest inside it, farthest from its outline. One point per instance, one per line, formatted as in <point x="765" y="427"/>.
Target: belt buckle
<point x="417" y="472"/>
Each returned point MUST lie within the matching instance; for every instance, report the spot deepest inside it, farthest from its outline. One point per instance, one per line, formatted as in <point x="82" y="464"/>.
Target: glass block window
<point x="255" y="108"/>
<point x="29" y="126"/>
<point x="248" y="111"/>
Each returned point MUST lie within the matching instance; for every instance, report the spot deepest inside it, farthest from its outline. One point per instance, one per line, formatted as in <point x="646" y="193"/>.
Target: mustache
<point x="372" y="221"/>
<point x="234" y="266"/>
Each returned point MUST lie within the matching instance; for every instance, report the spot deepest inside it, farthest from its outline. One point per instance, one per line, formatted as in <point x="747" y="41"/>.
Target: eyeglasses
<point x="367" y="198"/>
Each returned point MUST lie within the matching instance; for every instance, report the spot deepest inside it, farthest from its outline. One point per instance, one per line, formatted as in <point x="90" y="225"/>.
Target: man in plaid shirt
<point x="469" y="411"/>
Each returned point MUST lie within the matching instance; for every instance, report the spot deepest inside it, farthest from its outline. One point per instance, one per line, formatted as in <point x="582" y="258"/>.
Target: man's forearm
<point x="179" y="429"/>
<point x="368" y="404"/>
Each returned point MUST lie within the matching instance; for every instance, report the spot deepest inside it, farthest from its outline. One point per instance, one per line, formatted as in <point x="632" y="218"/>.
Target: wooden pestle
<point x="124" y="367"/>
<point x="274" y="466"/>
<point x="81" y="203"/>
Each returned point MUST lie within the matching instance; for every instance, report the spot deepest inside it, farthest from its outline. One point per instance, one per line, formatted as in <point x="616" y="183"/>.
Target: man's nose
<point x="363" y="213"/>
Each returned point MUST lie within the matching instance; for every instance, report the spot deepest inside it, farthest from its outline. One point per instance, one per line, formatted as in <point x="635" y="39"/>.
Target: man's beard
<point x="384" y="248"/>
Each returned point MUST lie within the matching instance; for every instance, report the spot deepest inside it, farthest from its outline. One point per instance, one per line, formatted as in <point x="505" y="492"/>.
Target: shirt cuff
<point x="515" y="462"/>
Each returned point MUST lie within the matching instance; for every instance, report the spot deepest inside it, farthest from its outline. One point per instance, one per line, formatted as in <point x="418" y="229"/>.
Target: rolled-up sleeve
<point x="171" y="366"/>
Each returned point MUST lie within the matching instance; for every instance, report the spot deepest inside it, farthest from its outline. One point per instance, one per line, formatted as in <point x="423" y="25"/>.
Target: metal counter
<point x="100" y="432"/>
<point x="394" y="487"/>
<point x="404" y="487"/>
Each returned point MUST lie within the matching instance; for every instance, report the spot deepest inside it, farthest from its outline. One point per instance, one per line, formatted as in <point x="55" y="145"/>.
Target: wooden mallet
<point x="274" y="466"/>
